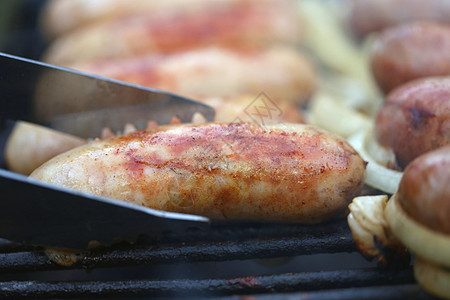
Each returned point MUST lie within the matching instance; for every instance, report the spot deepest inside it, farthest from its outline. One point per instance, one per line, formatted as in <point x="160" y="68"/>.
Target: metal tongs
<point x="37" y="213"/>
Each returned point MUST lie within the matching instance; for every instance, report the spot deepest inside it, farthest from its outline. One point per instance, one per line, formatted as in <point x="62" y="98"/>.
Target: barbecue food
<point x="223" y="48"/>
<point x="367" y="16"/>
<point x="415" y="118"/>
<point x="280" y="72"/>
<point x="30" y="145"/>
<point x="411" y="51"/>
<point x="164" y="28"/>
<point x="418" y="215"/>
<point x="285" y="172"/>
<point x="382" y="172"/>
<point x="261" y="109"/>
<point x="371" y="232"/>
<point x="62" y="16"/>
<point x="425" y="183"/>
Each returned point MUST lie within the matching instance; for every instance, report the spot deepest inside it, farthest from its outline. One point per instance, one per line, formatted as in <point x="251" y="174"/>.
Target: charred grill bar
<point x="213" y="287"/>
<point x="21" y="267"/>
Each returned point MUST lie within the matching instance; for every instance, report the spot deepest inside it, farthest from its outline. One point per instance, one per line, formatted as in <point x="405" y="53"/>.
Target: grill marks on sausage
<point x="207" y="149"/>
<point x="296" y="163"/>
<point x="239" y="171"/>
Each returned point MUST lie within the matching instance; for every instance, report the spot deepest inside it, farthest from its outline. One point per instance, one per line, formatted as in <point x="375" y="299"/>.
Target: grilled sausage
<point x="233" y="24"/>
<point x="419" y="216"/>
<point x="424" y="192"/>
<point x="250" y="108"/>
<point x="375" y="15"/>
<point x="224" y="171"/>
<point x="281" y="72"/>
<point x="60" y="17"/>
<point x="415" y="118"/>
<point x="416" y="217"/>
<point x="411" y="51"/>
<point x="30" y="145"/>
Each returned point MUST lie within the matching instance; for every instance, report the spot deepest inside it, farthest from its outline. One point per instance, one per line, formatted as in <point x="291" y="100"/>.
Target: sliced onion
<point x="369" y="212"/>
<point x="433" y="278"/>
<point x="380" y="154"/>
<point x="328" y="113"/>
<point x="426" y="243"/>
<point x="363" y="239"/>
<point x="368" y="224"/>
<point x="377" y="175"/>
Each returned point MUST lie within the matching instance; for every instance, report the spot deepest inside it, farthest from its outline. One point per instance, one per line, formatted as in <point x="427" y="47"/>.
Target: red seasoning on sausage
<point x="283" y="172"/>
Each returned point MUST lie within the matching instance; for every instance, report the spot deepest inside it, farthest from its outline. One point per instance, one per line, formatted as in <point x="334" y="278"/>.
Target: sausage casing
<point x="231" y="24"/>
<point x="282" y="172"/>
<point x="415" y="118"/>
<point x="424" y="192"/>
<point x="411" y="51"/>
<point x="367" y="16"/>
<point x="216" y="72"/>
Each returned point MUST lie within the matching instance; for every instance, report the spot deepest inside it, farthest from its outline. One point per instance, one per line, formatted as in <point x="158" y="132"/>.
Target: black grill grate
<point x="27" y="272"/>
<point x="217" y="247"/>
<point x="209" y="287"/>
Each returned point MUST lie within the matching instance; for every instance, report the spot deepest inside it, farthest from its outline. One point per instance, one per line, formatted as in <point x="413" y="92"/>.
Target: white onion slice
<point x="369" y="212"/>
<point x="377" y="174"/>
<point x="432" y="278"/>
<point x="426" y="243"/>
<point x="368" y="223"/>
<point x="328" y="113"/>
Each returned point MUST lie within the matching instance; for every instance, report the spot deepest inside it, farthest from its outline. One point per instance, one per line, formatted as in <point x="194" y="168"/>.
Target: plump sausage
<point x="248" y="107"/>
<point x="233" y="24"/>
<point x="62" y="16"/>
<point x="374" y="15"/>
<point x="424" y="192"/>
<point x="415" y="118"/>
<point x="411" y="51"/>
<point x="281" y="172"/>
<point x="281" y="72"/>
<point x="30" y="145"/>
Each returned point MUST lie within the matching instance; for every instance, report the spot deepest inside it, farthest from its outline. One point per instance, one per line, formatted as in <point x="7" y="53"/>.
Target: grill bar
<point x="186" y="252"/>
<point x="8" y="246"/>
<point x="406" y="291"/>
<point x="224" y="242"/>
<point x="230" y="231"/>
<point x="208" y="287"/>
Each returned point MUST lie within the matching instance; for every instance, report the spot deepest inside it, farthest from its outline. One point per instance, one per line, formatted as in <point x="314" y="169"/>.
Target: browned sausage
<point x="31" y="145"/>
<point x="233" y="24"/>
<point x="281" y="72"/>
<point x="374" y="15"/>
<point x="424" y="191"/>
<point x="60" y="17"/>
<point x="415" y="118"/>
<point x="281" y="172"/>
<point x="247" y="107"/>
<point x="411" y="51"/>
